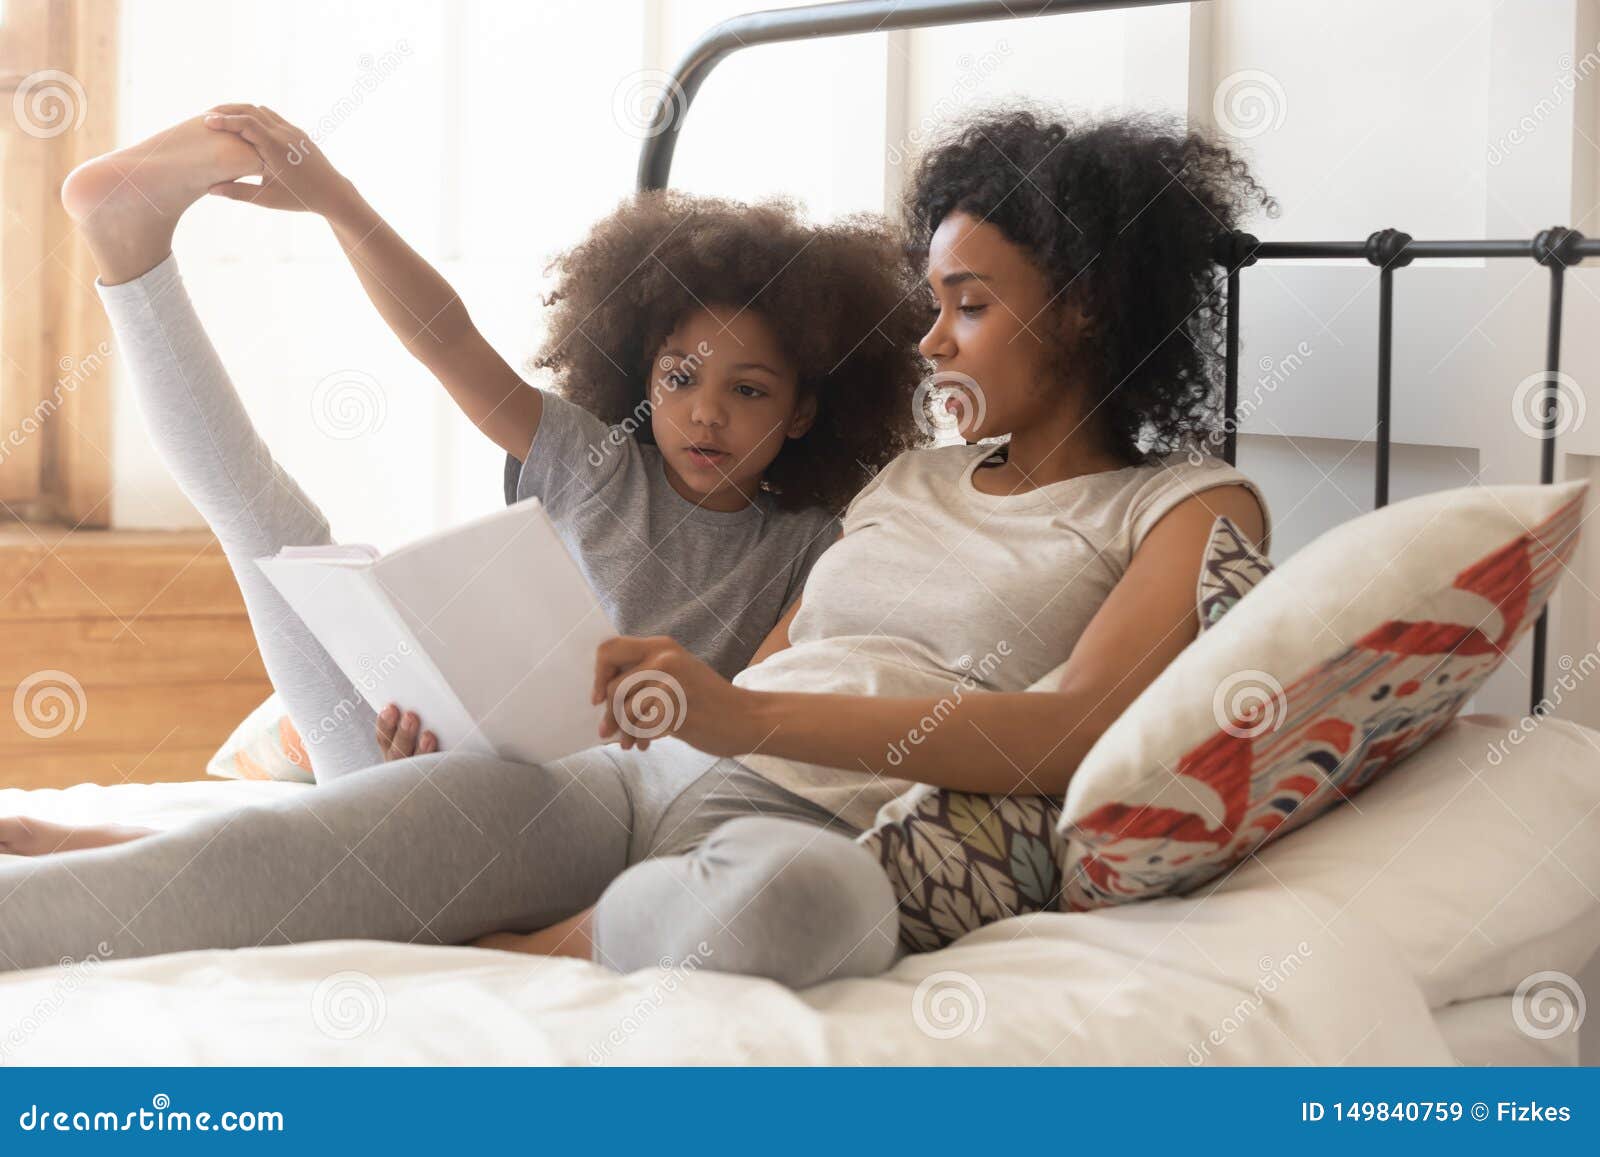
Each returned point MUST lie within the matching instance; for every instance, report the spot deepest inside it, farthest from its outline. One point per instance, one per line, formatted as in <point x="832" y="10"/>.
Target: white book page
<point x="511" y="624"/>
<point x="347" y="610"/>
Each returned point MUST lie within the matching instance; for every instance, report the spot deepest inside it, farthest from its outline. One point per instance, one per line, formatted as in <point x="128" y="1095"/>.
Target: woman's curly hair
<point x="839" y="297"/>
<point x="1122" y="215"/>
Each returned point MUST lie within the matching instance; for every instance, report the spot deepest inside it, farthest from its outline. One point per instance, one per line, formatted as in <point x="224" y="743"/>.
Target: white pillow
<point x="1479" y="857"/>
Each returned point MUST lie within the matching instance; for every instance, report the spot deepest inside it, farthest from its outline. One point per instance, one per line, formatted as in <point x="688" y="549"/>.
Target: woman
<point x="1072" y="274"/>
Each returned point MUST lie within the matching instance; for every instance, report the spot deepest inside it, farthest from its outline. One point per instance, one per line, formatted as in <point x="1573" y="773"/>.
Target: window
<point x="57" y="62"/>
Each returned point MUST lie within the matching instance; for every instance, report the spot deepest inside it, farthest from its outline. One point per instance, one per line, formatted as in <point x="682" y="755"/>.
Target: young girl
<point x="726" y="392"/>
<point x="1076" y="291"/>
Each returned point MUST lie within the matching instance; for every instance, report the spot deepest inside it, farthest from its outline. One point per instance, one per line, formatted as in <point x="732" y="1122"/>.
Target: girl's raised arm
<point x="419" y="305"/>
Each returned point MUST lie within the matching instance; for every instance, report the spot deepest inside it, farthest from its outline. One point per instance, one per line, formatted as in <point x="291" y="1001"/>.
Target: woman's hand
<point x="397" y="734"/>
<point x="296" y="175"/>
<point x="653" y="687"/>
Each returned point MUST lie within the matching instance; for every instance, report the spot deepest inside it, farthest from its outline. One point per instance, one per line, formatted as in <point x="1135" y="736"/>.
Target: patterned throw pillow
<point x="959" y="860"/>
<point x="1348" y="658"/>
<point x="264" y="746"/>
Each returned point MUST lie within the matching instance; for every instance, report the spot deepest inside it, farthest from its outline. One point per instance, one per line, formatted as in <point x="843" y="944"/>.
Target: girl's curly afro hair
<point x="839" y="297"/>
<point x="1125" y="211"/>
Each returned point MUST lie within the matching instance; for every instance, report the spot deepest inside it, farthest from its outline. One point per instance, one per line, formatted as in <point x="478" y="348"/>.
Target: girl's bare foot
<point x="127" y="203"/>
<point x="22" y="836"/>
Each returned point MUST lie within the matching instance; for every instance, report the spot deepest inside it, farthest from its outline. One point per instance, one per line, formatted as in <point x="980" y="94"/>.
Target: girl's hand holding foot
<point x="296" y="174"/>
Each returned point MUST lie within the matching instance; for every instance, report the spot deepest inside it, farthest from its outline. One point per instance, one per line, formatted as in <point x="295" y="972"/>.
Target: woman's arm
<point x="991" y="742"/>
<point x="778" y="638"/>
<point x="419" y="305"/>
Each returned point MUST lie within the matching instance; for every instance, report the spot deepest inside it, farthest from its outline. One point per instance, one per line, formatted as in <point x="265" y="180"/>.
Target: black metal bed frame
<point x="1388" y="249"/>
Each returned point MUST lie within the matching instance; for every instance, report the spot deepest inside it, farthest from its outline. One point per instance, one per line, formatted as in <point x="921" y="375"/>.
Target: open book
<point x="486" y="630"/>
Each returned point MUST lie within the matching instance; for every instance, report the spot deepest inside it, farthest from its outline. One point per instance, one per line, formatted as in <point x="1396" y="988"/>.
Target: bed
<point x="1419" y="970"/>
<point x="1350" y="942"/>
<point x="1131" y="986"/>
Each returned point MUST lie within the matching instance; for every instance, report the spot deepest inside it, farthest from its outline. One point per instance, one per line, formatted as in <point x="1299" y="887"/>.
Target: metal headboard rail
<point x="1388" y="249"/>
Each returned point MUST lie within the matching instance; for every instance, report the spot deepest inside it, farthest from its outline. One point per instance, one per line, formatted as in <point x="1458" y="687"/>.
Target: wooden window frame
<point x="58" y="75"/>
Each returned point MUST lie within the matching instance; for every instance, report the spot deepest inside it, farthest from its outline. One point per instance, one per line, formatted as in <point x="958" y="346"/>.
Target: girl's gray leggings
<point x="687" y="857"/>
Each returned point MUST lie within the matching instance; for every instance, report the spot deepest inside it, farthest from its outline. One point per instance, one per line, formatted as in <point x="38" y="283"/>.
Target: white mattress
<point x="1246" y="976"/>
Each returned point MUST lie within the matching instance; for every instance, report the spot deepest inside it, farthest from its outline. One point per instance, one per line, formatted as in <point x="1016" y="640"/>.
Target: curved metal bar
<point x="853" y="17"/>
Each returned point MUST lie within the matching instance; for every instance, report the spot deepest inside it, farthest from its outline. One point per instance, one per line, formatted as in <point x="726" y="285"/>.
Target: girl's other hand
<point x="654" y="687"/>
<point x="296" y="174"/>
<point x="397" y="734"/>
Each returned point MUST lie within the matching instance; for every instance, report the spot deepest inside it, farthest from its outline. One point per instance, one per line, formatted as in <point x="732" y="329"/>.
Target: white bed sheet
<point x="1248" y="976"/>
<point x="1484" y="1032"/>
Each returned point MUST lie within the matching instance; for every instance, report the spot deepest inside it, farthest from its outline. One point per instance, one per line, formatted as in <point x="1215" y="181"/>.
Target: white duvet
<point x="1251" y="975"/>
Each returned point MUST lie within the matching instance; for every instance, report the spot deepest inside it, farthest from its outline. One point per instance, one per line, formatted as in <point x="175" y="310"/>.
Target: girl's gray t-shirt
<point x="716" y="581"/>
